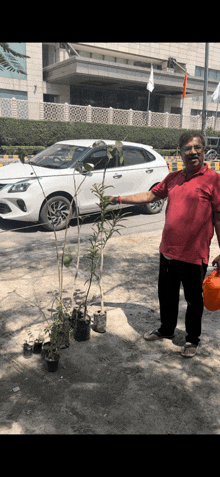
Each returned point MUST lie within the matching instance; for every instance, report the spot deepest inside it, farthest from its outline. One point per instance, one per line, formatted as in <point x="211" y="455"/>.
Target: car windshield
<point x="59" y="156"/>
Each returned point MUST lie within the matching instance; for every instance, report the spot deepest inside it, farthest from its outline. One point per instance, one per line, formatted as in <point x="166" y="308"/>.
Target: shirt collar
<point x="201" y="171"/>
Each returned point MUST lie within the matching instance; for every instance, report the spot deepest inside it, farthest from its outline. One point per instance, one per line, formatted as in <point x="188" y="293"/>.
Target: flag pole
<point x="204" y="112"/>
<point x="216" y="113"/>
<point x="184" y="94"/>
<point x="181" y="120"/>
<point x="150" y="86"/>
<point x="148" y="104"/>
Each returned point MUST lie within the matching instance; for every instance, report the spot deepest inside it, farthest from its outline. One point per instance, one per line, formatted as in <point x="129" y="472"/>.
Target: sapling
<point x="104" y="230"/>
<point x="87" y="167"/>
<point x="66" y="260"/>
<point x="103" y="204"/>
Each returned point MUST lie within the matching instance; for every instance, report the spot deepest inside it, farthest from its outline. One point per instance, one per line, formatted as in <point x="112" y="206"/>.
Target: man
<point x="193" y="210"/>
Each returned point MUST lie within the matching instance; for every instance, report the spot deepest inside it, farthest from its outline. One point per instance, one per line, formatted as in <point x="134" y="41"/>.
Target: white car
<point x="41" y="190"/>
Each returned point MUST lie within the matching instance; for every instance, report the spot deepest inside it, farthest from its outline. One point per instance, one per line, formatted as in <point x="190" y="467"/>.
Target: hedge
<point x="25" y="132"/>
<point x="28" y="150"/>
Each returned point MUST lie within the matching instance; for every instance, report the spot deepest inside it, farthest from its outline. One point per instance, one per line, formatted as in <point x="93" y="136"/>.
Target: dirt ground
<point x="115" y="383"/>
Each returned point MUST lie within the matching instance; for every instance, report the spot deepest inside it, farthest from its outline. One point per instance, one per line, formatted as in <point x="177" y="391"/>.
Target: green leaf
<point x="121" y="159"/>
<point x="99" y="143"/>
<point x="88" y="167"/>
<point x="67" y="261"/>
<point x="118" y="144"/>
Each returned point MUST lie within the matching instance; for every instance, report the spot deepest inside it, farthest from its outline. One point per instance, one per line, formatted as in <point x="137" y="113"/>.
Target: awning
<point x="88" y="71"/>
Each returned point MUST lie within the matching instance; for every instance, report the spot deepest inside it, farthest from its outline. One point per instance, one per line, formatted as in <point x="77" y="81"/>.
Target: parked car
<point x="212" y="145"/>
<point x="50" y="178"/>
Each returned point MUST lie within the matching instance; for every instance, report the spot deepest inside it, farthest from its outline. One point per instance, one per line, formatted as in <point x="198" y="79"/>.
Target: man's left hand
<point x="217" y="261"/>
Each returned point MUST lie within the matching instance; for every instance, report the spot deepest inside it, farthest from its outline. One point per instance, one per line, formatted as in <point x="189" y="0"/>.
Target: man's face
<point x="193" y="155"/>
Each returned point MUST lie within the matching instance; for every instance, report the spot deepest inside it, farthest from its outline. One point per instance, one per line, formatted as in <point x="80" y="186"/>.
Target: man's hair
<point x="185" y="137"/>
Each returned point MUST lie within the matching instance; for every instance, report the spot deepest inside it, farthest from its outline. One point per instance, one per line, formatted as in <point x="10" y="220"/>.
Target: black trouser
<point x="172" y="273"/>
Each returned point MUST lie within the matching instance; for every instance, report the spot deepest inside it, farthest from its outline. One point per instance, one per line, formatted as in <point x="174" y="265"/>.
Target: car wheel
<point x="154" y="207"/>
<point x="211" y="155"/>
<point x="54" y="213"/>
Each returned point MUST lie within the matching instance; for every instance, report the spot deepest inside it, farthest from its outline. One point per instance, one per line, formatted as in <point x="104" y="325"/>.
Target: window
<point x="97" y="56"/>
<point x="50" y="98"/>
<point x="49" y="55"/>
<point x="109" y="58"/>
<point x="211" y="141"/>
<point x="21" y="62"/>
<point x="133" y="155"/>
<point x="175" y="110"/>
<point x="100" y="159"/>
<point x="197" y="112"/>
<point x="58" y="156"/>
<point x="212" y="74"/>
<point x="11" y="93"/>
<point x="199" y="71"/>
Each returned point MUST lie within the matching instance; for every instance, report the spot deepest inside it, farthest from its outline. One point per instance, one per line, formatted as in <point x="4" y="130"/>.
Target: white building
<point x="114" y="75"/>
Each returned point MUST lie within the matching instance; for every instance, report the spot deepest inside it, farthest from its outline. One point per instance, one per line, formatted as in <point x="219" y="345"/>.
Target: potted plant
<point x="28" y="345"/>
<point x="80" y="318"/>
<point x="27" y="350"/>
<point x="60" y="326"/>
<point x="108" y="224"/>
<point x="58" y="331"/>
<point x="105" y="229"/>
<point x="51" y="348"/>
<point x="52" y="358"/>
<point x="38" y="345"/>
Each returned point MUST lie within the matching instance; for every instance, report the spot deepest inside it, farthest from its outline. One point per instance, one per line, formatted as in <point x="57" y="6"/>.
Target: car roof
<point x="89" y="143"/>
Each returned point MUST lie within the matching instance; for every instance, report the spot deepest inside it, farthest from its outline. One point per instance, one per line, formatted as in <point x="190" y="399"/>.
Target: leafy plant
<point x="109" y="223"/>
<point x="29" y="333"/>
<point x="8" y="59"/>
<point x="104" y="227"/>
<point x="59" y="327"/>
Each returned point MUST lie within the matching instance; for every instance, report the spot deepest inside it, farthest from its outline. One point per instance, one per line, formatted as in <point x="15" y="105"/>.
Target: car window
<point x="58" y="156"/>
<point x="100" y="159"/>
<point x="134" y="155"/>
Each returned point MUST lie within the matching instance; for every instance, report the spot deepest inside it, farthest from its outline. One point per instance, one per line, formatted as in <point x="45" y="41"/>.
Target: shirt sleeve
<point x="161" y="189"/>
<point x="216" y="194"/>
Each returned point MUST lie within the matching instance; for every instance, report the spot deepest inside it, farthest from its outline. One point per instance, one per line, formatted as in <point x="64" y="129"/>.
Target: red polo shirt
<point x="189" y="228"/>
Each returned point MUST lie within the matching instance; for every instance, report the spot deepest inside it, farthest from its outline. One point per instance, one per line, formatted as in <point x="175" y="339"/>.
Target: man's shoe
<point x="156" y="335"/>
<point x="189" y="350"/>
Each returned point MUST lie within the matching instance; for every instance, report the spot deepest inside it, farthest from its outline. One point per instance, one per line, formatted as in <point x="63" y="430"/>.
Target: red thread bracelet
<point x="119" y="200"/>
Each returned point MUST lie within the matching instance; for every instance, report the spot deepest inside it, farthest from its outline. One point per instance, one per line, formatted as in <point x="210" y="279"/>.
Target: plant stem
<point x="102" y="250"/>
<point x="55" y="235"/>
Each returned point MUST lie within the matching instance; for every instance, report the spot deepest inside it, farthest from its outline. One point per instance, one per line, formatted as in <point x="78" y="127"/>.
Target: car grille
<point x="4" y="208"/>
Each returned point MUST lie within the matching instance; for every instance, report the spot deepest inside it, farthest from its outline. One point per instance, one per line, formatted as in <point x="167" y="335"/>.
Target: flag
<point x="150" y="83"/>
<point x="216" y="93"/>
<point x="184" y="85"/>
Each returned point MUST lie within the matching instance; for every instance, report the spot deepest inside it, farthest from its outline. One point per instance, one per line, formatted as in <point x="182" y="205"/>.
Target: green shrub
<point x="25" y="132"/>
<point x="168" y="152"/>
<point x="13" y="150"/>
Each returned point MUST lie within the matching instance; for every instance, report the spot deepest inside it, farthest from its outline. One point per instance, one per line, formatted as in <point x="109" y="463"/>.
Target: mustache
<point x="193" y="156"/>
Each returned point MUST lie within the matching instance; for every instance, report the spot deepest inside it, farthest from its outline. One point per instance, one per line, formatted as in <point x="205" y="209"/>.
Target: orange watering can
<point x="211" y="291"/>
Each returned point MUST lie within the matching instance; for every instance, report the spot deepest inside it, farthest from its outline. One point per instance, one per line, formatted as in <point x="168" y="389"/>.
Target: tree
<point x="8" y="59"/>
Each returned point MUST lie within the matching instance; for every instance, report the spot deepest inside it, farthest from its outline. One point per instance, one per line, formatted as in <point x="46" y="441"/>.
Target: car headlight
<point x="21" y="186"/>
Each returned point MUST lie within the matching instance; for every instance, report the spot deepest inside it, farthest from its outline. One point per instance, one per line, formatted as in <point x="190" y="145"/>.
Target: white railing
<point x="22" y="109"/>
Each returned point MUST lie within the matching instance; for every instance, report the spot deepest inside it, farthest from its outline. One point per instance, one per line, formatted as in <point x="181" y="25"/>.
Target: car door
<point x="137" y="172"/>
<point x="87" y="201"/>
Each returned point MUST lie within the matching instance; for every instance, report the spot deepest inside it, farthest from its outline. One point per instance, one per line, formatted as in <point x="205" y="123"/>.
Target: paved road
<point x="19" y="235"/>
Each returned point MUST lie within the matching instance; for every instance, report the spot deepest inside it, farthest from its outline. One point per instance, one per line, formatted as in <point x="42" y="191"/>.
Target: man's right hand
<point x="112" y="199"/>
